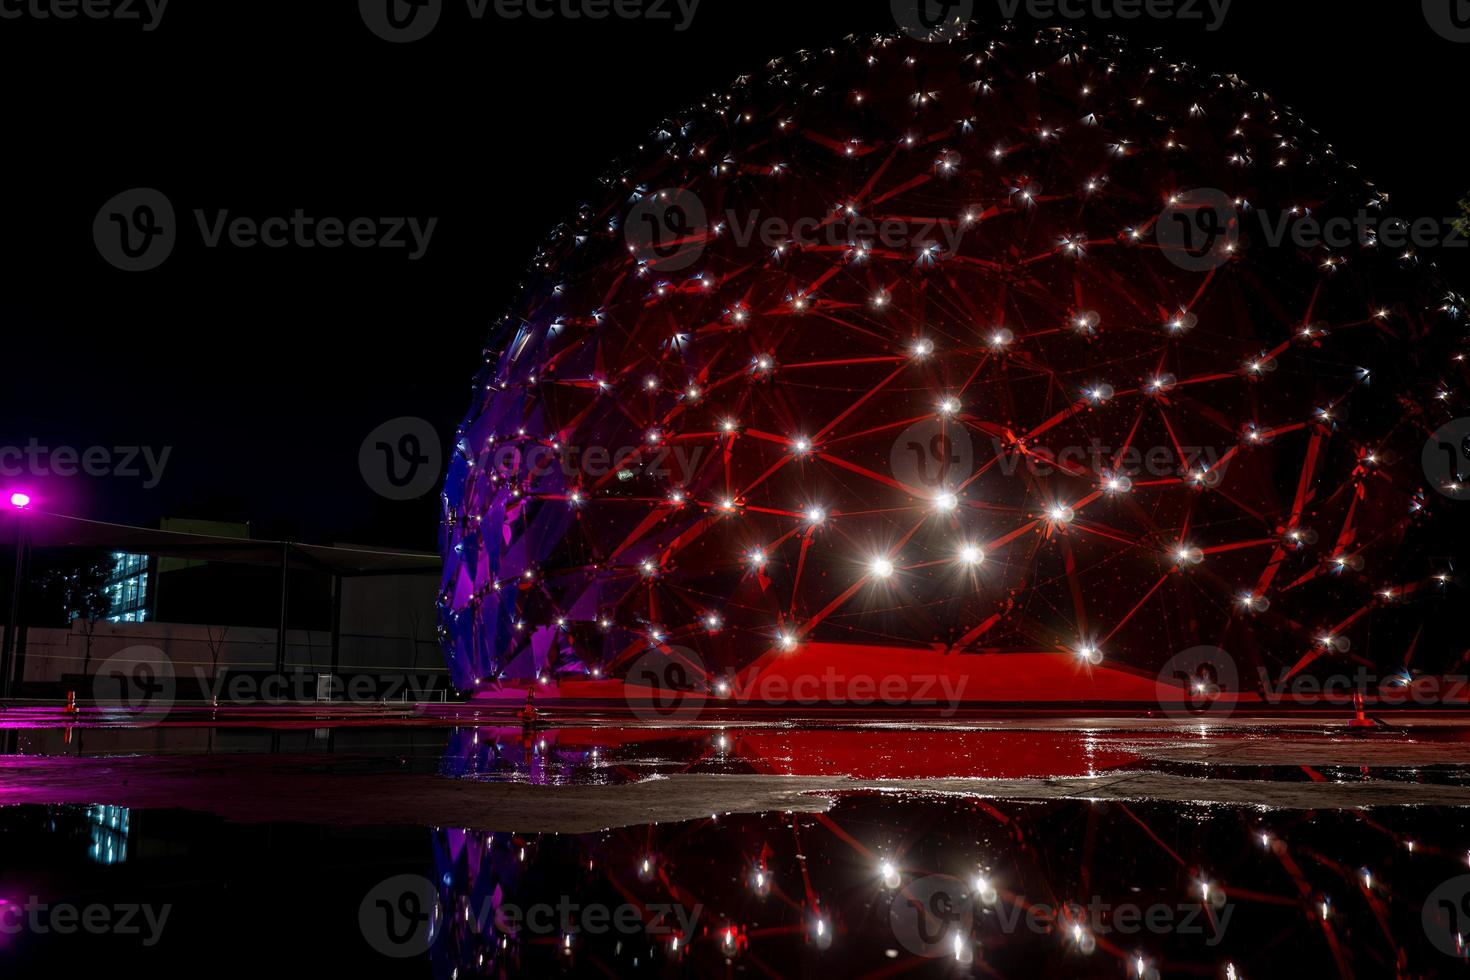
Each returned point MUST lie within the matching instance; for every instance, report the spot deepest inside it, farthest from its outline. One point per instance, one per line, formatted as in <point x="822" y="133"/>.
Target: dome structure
<point x="1014" y="345"/>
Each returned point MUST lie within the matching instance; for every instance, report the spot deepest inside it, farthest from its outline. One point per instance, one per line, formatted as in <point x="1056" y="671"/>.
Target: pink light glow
<point x="20" y="500"/>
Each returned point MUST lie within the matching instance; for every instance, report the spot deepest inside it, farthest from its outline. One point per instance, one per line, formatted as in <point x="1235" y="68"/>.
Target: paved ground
<point x="1258" y="765"/>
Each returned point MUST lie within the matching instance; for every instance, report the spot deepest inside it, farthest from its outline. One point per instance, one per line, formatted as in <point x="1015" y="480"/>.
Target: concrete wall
<point x="387" y="628"/>
<point x="203" y="651"/>
<point x="389" y="622"/>
<point x="52" y="653"/>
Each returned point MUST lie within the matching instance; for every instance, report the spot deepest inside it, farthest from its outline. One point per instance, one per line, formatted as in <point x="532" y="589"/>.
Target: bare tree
<point x="216" y="649"/>
<point x="80" y="591"/>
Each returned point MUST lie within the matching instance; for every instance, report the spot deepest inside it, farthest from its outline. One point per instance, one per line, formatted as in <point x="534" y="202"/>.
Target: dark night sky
<point x="263" y="370"/>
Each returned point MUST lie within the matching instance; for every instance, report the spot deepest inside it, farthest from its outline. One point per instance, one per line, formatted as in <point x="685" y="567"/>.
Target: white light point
<point x="1250" y="602"/>
<point x="922" y="347"/>
<point x="971" y="555"/>
<point x="945" y="503"/>
<point x="1187" y="555"/>
<point x="880" y="568"/>
<point x="1089" y="653"/>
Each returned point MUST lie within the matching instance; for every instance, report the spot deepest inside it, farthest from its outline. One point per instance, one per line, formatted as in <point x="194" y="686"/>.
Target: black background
<point x="264" y="369"/>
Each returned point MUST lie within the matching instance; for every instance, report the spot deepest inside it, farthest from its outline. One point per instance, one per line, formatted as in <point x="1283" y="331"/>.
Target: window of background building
<point x="128" y="588"/>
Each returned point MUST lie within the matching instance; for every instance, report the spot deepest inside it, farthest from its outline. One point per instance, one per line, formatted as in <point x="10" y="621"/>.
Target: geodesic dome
<point x="981" y="345"/>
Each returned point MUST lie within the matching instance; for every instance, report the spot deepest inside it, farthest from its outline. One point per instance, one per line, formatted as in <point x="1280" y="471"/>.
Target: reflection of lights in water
<point x="853" y="859"/>
<point x="109" y="834"/>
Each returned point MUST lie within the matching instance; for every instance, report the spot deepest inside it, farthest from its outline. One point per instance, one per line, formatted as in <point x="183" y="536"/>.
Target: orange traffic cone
<point x="1361" y="719"/>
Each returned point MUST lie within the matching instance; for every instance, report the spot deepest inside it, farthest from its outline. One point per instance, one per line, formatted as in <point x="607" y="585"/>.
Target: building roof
<point x="60" y="531"/>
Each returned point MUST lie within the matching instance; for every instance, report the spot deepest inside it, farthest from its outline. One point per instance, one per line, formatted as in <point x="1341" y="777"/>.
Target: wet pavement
<point x="449" y="845"/>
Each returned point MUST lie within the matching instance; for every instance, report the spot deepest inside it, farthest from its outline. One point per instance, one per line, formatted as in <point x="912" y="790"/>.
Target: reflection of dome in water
<point x="951" y="345"/>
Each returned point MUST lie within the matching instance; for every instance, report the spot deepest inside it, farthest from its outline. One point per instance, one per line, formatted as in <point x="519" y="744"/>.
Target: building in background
<point x="130" y="588"/>
<point x="197" y="591"/>
<point x="208" y="600"/>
